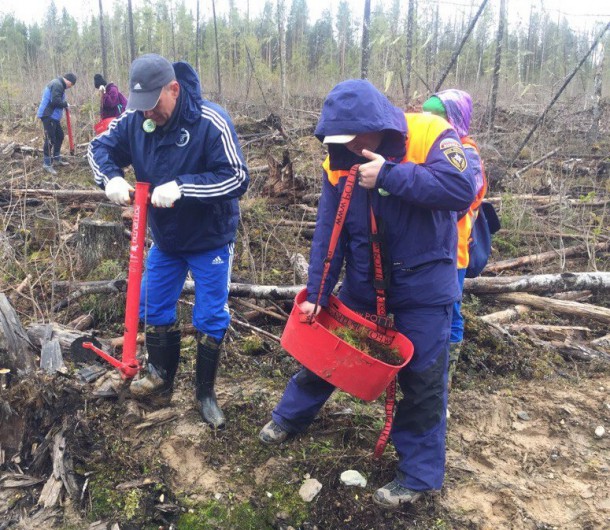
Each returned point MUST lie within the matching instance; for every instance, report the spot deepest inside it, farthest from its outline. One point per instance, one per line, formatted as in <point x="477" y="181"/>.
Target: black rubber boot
<point x="208" y="358"/>
<point x="163" y="346"/>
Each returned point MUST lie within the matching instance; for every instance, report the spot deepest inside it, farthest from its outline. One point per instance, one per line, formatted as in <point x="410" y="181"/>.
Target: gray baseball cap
<point x="147" y="77"/>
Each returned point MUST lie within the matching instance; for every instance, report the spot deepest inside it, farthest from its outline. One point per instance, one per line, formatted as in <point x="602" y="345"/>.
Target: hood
<point x="356" y="106"/>
<point x="458" y="107"/>
<point x="189" y="81"/>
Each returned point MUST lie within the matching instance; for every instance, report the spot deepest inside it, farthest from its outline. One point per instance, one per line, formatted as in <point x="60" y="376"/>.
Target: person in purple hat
<point x="456" y="107"/>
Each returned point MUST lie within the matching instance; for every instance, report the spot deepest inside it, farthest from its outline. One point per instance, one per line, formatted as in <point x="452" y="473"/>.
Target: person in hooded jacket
<point x="112" y="102"/>
<point x="456" y="107"/>
<point x="415" y="176"/>
<point x="50" y="111"/>
<point x="187" y="148"/>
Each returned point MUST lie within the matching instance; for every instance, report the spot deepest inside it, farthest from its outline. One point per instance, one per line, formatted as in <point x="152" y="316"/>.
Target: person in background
<point x="187" y="148"/>
<point x="112" y="102"/>
<point x="456" y="107"/>
<point x="415" y="176"/>
<point x="50" y="111"/>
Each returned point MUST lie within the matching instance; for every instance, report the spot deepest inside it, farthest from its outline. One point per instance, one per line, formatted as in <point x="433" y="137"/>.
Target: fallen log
<point x="70" y="340"/>
<point x="507" y="315"/>
<point x="575" y="296"/>
<point x="604" y="341"/>
<point x="540" y="283"/>
<point x="544" y="257"/>
<point x="563" y="307"/>
<point x="550" y="332"/>
<point x="59" y="195"/>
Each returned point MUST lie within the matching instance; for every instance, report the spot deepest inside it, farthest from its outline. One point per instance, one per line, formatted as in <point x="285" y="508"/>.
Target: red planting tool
<point x="70" y="135"/>
<point x="128" y="365"/>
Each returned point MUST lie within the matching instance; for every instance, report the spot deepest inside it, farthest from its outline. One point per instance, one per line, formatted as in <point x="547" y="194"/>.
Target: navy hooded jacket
<point x="200" y="152"/>
<point x="417" y="218"/>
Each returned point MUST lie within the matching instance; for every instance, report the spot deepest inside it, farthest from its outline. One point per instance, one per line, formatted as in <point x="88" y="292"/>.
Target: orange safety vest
<point x="464" y="225"/>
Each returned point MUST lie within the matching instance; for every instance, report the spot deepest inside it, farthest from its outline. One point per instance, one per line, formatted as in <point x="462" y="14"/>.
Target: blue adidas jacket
<point x="200" y="151"/>
<point x="428" y="180"/>
<point x="53" y="101"/>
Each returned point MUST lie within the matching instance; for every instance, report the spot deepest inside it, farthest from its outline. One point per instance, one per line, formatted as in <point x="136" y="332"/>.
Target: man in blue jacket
<point x="415" y="176"/>
<point x="187" y="148"/>
<point x="50" y="111"/>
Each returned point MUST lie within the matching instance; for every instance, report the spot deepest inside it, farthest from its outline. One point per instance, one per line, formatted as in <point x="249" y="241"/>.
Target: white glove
<point x="117" y="190"/>
<point x="102" y="88"/>
<point x="166" y="195"/>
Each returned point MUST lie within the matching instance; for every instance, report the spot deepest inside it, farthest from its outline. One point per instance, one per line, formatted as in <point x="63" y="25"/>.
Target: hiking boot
<point x="394" y="494"/>
<point x="49" y="169"/>
<point x="208" y="359"/>
<point x="272" y="434"/>
<point x="163" y="346"/>
<point x="61" y="162"/>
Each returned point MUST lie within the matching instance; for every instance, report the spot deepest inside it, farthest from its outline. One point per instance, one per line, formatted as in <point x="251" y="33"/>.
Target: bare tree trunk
<point x="132" y="38"/>
<point x="556" y="97"/>
<point x="457" y="51"/>
<point x="497" y="66"/>
<point x="281" y="35"/>
<point x="103" y="43"/>
<point x="172" y="29"/>
<point x="597" y="95"/>
<point x="197" y="41"/>
<point x="409" y="54"/>
<point x="366" y="50"/>
<point x="217" y="50"/>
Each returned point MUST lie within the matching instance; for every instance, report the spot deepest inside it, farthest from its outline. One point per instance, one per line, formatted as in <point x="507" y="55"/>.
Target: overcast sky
<point x="580" y="13"/>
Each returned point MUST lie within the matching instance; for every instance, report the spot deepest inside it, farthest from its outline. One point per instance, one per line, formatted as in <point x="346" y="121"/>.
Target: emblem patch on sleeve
<point x="456" y="156"/>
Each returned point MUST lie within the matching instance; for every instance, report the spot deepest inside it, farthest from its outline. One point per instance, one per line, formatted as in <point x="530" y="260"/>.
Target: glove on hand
<point x="102" y="88"/>
<point x="166" y="195"/>
<point x="117" y="190"/>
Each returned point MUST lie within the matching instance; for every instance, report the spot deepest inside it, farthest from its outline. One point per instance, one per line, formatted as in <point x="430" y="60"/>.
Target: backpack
<point x="486" y="224"/>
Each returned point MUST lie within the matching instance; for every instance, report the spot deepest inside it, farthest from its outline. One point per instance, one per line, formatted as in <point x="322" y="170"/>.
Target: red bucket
<point x="102" y="125"/>
<point x="331" y="358"/>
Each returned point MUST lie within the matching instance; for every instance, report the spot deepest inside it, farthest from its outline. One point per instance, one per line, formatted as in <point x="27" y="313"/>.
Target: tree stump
<point x="44" y="228"/>
<point x="15" y="351"/>
<point x="98" y="241"/>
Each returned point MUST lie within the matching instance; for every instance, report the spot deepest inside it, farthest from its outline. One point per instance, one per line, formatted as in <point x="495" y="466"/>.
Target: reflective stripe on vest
<point x="464" y="225"/>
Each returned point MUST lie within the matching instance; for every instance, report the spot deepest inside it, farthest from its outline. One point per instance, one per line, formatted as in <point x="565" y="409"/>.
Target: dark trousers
<point x="53" y="138"/>
<point x="420" y="423"/>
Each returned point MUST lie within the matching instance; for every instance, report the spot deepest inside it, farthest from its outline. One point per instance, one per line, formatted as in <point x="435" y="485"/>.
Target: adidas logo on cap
<point x="137" y="86"/>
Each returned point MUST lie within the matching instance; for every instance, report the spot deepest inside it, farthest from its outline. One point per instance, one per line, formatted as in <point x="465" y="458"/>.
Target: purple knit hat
<point x="458" y="106"/>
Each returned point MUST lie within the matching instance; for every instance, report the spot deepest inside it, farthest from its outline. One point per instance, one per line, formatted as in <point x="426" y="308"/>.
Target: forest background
<point x="284" y="57"/>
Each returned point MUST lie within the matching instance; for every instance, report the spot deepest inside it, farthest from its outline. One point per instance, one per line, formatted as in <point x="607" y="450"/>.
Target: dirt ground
<point x="522" y="449"/>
